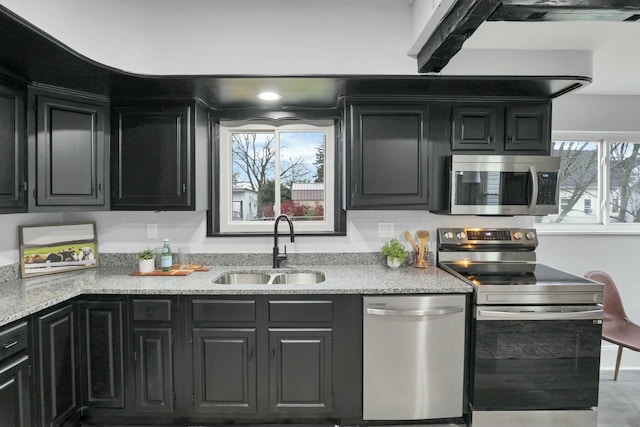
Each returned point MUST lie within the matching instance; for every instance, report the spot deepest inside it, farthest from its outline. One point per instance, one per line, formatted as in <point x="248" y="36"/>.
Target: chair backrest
<point x="613" y="308"/>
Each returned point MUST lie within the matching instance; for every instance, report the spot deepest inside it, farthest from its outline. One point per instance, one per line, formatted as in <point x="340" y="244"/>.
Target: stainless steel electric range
<point x="535" y="331"/>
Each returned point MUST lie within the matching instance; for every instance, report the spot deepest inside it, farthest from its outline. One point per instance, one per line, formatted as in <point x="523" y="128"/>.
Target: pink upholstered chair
<point x="616" y="327"/>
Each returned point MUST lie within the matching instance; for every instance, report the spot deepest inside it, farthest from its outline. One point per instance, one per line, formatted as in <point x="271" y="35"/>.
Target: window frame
<point x="219" y="223"/>
<point x="604" y="225"/>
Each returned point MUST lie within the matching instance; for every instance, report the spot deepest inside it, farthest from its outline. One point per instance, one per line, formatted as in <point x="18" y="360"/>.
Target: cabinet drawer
<point x="224" y="311"/>
<point x="152" y="310"/>
<point x="300" y="311"/>
<point x="13" y="340"/>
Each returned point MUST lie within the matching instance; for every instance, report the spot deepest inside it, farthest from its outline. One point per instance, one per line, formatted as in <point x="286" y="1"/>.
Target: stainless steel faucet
<point x="277" y="256"/>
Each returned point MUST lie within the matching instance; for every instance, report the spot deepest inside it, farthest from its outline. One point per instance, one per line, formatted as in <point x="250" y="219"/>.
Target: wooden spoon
<point x="410" y="239"/>
<point x="423" y="238"/>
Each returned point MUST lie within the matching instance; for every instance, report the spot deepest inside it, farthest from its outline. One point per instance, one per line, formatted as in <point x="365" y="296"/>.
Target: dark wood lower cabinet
<point x="102" y="349"/>
<point x="301" y="370"/>
<point x="15" y="392"/>
<point x="149" y="360"/>
<point x="224" y="370"/>
<point x="57" y="367"/>
<point x="153" y="369"/>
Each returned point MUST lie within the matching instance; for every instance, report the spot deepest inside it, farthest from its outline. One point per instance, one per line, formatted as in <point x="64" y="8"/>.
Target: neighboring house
<point x="244" y="202"/>
<point x="309" y="194"/>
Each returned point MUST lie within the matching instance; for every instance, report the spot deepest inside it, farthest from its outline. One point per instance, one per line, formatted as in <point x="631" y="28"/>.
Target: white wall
<point x="284" y="37"/>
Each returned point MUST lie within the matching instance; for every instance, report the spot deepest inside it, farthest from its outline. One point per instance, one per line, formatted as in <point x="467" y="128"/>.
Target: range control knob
<point x="461" y="235"/>
<point x="530" y="235"/>
<point x="448" y="235"/>
<point x="517" y="235"/>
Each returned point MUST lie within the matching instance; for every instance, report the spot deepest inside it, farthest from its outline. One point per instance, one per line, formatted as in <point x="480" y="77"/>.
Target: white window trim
<point x="226" y="128"/>
<point x="604" y="227"/>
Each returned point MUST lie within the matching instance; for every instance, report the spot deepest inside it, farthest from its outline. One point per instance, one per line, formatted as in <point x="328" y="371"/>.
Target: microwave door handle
<point x="534" y="184"/>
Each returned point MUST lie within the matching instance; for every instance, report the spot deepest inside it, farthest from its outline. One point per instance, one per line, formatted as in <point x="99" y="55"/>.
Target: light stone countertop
<point x="22" y="297"/>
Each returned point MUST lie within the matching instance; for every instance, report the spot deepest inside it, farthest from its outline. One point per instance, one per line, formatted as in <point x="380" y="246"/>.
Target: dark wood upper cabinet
<point x="501" y="127"/>
<point x="154" y="156"/>
<point x="68" y="150"/>
<point x="388" y="156"/>
<point x="475" y="128"/>
<point x="12" y="149"/>
<point x="528" y="127"/>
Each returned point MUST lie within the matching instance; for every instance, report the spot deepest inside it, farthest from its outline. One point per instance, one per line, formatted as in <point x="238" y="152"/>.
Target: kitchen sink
<point x="298" y="278"/>
<point x="269" y="278"/>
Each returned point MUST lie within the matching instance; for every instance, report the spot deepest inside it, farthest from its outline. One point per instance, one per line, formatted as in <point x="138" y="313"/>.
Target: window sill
<point x="282" y="234"/>
<point x="586" y="229"/>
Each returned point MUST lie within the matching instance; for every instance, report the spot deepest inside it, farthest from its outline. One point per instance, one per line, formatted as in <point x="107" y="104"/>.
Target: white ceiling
<point x="615" y="47"/>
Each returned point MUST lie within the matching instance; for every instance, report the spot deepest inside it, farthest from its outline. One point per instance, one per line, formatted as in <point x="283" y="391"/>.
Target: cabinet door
<point x="529" y="127"/>
<point x="12" y="150"/>
<point x="388" y="157"/>
<point x="224" y="370"/>
<point x="154" y="369"/>
<point x="103" y="356"/>
<point x="300" y="370"/>
<point x="56" y="345"/>
<point x="474" y="128"/>
<point x="151" y="151"/>
<point x="15" y="408"/>
<point x="70" y="152"/>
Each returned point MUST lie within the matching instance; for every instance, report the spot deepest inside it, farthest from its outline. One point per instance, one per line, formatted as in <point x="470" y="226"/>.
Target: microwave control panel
<point x="547" y="188"/>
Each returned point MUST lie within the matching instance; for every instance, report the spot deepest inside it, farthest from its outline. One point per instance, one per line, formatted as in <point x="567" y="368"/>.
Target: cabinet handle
<point x="251" y="354"/>
<point x="99" y="187"/>
<point x="8" y="346"/>
<point x="184" y="188"/>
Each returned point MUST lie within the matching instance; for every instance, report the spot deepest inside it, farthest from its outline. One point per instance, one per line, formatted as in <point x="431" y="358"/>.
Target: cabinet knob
<point x="184" y="188"/>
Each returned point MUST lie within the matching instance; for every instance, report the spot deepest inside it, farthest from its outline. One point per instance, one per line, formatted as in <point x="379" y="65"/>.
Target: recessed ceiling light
<point x="269" y="96"/>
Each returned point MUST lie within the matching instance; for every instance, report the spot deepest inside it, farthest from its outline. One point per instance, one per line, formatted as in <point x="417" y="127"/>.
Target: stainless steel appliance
<point x="535" y="331"/>
<point x="503" y="185"/>
<point x="413" y="357"/>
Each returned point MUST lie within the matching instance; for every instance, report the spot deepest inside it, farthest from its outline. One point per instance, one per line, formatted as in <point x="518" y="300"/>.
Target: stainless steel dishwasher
<point x="413" y="357"/>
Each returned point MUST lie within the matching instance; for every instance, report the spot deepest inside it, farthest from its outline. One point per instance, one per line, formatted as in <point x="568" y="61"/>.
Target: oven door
<point x="503" y="185"/>
<point x="536" y="358"/>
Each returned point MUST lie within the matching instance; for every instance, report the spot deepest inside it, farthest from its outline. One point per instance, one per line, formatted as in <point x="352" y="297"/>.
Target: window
<point x="267" y="170"/>
<point x="599" y="181"/>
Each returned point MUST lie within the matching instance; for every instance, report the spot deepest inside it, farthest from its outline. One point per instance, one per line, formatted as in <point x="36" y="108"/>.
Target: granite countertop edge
<point x="23" y="297"/>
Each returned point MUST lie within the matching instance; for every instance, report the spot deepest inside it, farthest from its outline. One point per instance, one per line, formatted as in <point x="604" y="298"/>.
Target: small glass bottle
<point x="167" y="256"/>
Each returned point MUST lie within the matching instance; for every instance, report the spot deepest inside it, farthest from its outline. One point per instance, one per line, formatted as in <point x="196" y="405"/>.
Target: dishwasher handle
<point x="436" y="311"/>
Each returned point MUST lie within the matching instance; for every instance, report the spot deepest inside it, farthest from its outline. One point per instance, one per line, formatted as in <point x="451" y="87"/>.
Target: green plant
<point x="395" y="249"/>
<point x="146" y="254"/>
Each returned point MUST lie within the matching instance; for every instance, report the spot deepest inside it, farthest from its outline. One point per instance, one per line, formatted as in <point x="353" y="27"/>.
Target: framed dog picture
<point x="47" y="249"/>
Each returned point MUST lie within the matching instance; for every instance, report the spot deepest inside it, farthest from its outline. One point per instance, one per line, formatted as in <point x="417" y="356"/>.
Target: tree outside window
<point x="584" y="169"/>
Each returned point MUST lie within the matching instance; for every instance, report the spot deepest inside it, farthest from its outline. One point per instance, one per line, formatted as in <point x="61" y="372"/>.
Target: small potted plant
<point x="395" y="252"/>
<point x="146" y="260"/>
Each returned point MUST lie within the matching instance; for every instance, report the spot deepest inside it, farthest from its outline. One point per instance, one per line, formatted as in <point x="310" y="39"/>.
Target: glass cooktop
<point x="514" y="274"/>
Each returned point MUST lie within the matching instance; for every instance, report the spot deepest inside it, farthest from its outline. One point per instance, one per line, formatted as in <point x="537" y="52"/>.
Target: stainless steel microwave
<point x="503" y="185"/>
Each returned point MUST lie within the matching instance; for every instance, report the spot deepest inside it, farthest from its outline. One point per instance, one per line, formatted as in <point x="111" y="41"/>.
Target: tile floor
<point x="619" y="401"/>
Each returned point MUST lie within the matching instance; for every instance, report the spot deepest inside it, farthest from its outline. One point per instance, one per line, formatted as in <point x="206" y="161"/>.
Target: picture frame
<point x="50" y="249"/>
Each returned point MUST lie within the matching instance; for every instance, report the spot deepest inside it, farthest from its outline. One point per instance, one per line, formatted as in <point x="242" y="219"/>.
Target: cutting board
<point x="175" y="271"/>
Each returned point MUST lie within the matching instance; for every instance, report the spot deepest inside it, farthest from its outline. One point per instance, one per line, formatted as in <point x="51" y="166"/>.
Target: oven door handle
<point x="539" y="315"/>
<point x="438" y="311"/>
<point x="534" y="194"/>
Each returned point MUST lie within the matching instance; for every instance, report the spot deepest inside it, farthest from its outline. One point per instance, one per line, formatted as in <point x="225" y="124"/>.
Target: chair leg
<point x="618" y="359"/>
